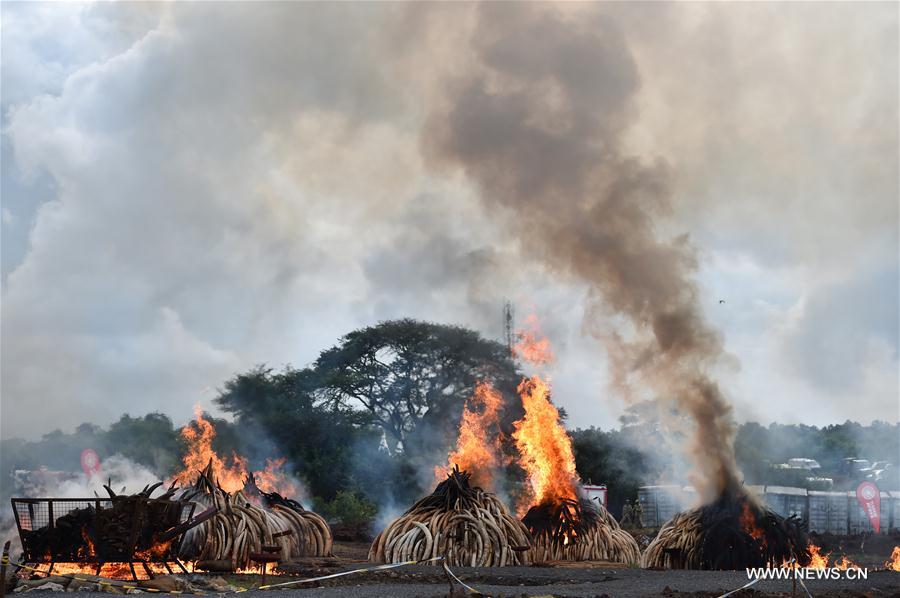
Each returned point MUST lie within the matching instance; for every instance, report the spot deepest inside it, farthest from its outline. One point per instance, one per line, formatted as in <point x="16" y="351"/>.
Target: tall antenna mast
<point x="508" y="326"/>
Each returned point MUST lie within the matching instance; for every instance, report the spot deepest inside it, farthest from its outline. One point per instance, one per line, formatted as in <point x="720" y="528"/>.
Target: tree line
<point x="365" y="424"/>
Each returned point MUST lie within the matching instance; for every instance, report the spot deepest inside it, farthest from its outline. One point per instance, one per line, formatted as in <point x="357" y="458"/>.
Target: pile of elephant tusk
<point x="569" y="530"/>
<point x="249" y="521"/>
<point x="677" y="545"/>
<point x="732" y="533"/>
<point x="462" y="523"/>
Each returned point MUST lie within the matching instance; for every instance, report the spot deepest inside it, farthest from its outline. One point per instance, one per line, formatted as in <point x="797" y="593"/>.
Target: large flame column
<point x="562" y="526"/>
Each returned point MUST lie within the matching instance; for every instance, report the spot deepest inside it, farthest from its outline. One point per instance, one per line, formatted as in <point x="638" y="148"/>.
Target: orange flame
<point x="748" y="524"/>
<point x="844" y="563"/>
<point x="155" y="553"/>
<point x="123" y="572"/>
<point x="88" y="550"/>
<point x="199" y="436"/>
<point x="893" y="564"/>
<point x="544" y="447"/>
<point x="532" y="347"/>
<point x="474" y="452"/>
<point x="273" y="479"/>
<point x="820" y="561"/>
<point x="119" y="571"/>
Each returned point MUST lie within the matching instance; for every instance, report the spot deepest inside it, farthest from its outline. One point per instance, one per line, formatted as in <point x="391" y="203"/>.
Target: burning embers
<point x="462" y="523"/>
<point x="732" y="533"/>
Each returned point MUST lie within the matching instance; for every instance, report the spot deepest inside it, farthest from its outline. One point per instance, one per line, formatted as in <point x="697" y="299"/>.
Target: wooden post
<point x="51" y="528"/>
<point x="794" y="564"/>
<point x="3" y="563"/>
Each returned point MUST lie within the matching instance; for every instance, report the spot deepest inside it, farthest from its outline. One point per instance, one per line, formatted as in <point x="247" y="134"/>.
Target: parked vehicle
<point x="803" y="463"/>
<point x="854" y="468"/>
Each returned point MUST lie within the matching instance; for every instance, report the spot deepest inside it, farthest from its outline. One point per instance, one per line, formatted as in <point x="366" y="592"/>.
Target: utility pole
<point x="508" y="326"/>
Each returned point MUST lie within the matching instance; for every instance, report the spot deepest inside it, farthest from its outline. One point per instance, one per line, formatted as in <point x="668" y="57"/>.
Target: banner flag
<point x="869" y="499"/>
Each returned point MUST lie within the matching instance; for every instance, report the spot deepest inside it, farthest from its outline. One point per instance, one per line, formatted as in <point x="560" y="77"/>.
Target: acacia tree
<point x="279" y="416"/>
<point x="406" y="373"/>
<point x="344" y="421"/>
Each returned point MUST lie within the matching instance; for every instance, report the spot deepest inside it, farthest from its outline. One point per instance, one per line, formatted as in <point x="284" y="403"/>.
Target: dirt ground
<point x="587" y="579"/>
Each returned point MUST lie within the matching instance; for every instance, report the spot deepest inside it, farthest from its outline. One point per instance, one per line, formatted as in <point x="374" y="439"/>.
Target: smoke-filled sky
<point x="192" y="189"/>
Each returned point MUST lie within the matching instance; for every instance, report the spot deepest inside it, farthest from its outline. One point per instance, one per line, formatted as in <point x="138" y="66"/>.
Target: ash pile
<point x="460" y="522"/>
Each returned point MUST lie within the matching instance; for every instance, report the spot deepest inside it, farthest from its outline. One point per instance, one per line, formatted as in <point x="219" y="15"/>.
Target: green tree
<point x="609" y="458"/>
<point x="278" y="415"/>
<point x="150" y="440"/>
<point x="406" y="373"/>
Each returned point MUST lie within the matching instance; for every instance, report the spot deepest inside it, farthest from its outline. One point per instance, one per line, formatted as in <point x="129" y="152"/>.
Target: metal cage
<point x="98" y="530"/>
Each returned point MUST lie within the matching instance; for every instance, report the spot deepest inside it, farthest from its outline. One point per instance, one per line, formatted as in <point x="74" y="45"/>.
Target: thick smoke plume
<point x="537" y="122"/>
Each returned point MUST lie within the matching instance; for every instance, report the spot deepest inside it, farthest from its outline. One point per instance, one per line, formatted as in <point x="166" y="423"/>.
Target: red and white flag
<point x="90" y="462"/>
<point x="870" y="500"/>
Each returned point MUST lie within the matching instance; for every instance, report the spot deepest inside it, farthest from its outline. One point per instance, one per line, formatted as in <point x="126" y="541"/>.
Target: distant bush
<point x="348" y="508"/>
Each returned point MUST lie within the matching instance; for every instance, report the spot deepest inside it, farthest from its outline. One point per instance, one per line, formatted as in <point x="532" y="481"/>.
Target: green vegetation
<point x="361" y="424"/>
<point x="348" y="508"/>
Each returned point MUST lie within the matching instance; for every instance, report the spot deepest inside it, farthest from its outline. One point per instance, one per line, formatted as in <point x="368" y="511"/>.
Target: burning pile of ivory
<point x="464" y="524"/>
<point x="565" y="529"/>
<point x="250" y="521"/>
<point x="114" y="530"/>
<point x="730" y="534"/>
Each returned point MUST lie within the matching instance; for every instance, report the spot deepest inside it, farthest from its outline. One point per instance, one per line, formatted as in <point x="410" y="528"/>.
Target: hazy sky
<point x="192" y="189"/>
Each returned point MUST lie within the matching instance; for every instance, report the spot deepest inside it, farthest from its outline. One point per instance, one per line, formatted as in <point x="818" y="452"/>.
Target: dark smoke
<point x="538" y="124"/>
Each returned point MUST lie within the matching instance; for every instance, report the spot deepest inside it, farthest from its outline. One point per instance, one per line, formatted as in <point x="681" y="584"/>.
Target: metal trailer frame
<point x="32" y="514"/>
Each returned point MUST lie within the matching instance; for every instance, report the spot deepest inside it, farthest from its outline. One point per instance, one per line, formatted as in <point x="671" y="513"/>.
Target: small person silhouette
<point x="627" y="514"/>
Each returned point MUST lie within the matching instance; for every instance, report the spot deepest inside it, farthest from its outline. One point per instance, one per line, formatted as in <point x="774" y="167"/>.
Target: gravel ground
<point x="613" y="583"/>
<point x="570" y="579"/>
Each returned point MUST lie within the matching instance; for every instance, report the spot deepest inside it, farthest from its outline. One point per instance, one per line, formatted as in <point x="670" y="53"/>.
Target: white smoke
<point x="123" y="475"/>
<point x="201" y="192"/>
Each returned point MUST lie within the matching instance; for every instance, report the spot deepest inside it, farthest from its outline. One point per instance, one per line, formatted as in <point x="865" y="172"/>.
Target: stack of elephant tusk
<point x="732" y="533"/>
<point x="677" y="545"/>
<point x="569" y="530"/>
<point x="464" y="524"/>
<point x="241" y="527"/>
